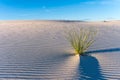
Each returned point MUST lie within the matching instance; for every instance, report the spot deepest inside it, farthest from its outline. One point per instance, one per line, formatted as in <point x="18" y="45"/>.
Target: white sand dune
<point x="38" y="50"/>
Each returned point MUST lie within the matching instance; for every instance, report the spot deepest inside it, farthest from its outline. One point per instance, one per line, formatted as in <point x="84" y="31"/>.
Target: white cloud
<point x="90" y="2"/>
<point x="104" y="2"/>
<point x="46" y="9"/>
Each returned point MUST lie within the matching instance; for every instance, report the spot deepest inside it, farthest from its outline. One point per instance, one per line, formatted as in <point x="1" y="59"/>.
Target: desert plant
<point x="81" y="38"/>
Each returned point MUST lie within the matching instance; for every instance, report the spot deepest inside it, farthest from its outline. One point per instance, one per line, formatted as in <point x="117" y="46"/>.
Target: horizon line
<point x="56" y="20"/>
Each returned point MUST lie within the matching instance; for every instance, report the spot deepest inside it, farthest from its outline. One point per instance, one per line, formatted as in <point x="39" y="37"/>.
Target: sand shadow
<point x="104" y="50"/>
<point x="89" y="69"/>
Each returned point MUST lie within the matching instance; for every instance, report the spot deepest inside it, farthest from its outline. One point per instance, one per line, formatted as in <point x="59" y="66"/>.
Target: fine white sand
<point x="49" y="34"/>
<point x="38" y="49"/>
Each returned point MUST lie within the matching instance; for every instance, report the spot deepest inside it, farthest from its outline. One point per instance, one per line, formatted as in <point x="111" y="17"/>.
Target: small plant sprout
<point x="81" y="38"/>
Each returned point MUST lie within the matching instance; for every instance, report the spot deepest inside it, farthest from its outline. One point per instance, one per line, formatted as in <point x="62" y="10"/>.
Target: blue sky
<point x="60" y="10"/>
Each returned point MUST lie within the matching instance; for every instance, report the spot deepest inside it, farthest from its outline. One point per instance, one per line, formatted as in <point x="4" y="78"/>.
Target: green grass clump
<point x="81" y="39"/>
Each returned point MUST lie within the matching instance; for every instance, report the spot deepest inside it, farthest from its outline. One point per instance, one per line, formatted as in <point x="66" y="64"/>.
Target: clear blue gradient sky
<point x="60" y="10"/>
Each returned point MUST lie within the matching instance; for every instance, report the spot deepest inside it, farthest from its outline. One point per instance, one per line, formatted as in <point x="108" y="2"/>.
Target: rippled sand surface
<point x="37" y="50"/>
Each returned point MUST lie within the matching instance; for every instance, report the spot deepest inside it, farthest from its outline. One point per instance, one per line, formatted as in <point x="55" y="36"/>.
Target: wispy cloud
<point x="102" y="2"/>
<point x="46" y="9"/>
<point x="89" y="2"/>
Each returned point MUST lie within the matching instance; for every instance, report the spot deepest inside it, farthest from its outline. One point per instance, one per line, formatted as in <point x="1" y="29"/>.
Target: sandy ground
<point x="50" y="33"/>
<point x="38" y="50"/>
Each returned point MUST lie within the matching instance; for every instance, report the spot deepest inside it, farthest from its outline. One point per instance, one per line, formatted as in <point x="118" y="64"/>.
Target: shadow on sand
<point x="88" y="66"/>
<point x="104" y="50"/>
<point x="89" y="69"/>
